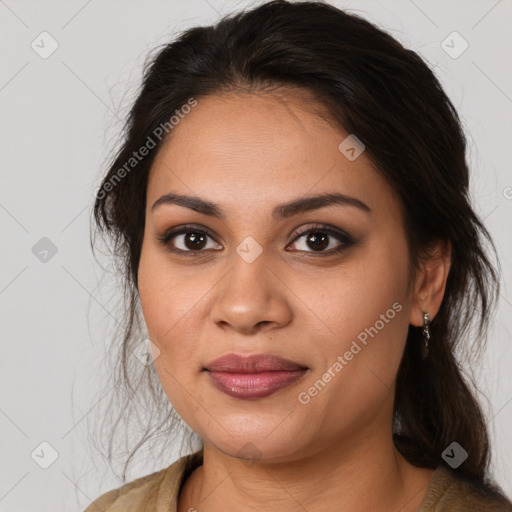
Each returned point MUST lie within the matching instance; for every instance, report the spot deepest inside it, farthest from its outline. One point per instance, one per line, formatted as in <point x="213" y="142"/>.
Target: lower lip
<point x="253" y="385"/>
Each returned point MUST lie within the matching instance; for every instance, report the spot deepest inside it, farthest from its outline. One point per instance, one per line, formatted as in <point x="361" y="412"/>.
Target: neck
<point x="365" y="474"/>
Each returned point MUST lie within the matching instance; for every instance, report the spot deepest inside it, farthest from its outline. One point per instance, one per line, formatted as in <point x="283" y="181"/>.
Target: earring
<point x="426" y="335"/>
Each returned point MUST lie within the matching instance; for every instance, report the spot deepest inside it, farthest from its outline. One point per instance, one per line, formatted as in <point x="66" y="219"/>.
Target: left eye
<point x="193" y="239"/>
<point x="319" y="238"/>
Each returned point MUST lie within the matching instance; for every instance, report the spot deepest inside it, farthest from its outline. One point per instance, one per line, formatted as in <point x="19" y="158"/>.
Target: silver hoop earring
<point x="426" y="335"/>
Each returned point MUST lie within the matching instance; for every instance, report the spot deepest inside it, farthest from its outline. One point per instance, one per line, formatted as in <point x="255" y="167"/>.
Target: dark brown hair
<point x="390" y="99"/>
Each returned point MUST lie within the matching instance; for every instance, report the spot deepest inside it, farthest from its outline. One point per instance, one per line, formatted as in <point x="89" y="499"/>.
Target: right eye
<point x="192" y="240"/>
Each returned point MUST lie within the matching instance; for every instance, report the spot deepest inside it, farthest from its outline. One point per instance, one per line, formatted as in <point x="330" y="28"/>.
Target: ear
<point x="430" y="282"/>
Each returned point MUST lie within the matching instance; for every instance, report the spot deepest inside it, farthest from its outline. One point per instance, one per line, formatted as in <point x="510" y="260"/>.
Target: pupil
<point x="194" y="238"/>
<point x="318" y="240"/>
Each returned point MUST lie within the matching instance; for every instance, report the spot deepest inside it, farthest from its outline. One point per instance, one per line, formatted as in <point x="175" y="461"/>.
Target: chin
<point x="257" y="446"/>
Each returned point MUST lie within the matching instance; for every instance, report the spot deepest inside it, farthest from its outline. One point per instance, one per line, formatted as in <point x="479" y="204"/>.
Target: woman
<point x="290" y="205"/>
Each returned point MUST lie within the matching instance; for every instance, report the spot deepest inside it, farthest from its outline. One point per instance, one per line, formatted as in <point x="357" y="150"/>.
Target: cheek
<point x="164" y="295"/>
<point x="361" y="360"/>
<point x="366" y="289"/>
<point x="368" y="314"/>
<point x="169" y="318"/>
<point x="165" y="323"/>
<point x="170" y="303"/>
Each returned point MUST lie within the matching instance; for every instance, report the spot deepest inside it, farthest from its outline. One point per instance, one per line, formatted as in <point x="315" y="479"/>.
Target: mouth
<point x="253" y="377"/>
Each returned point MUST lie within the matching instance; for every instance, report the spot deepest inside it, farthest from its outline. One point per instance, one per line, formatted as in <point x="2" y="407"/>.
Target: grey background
<point x="60" y="116"/>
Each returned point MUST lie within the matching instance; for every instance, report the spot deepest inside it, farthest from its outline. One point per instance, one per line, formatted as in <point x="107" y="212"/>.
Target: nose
<point x="251" y="298"/>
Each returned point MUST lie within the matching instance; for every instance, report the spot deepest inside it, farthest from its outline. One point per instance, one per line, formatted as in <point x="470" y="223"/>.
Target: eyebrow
<point x="282" y="211"/>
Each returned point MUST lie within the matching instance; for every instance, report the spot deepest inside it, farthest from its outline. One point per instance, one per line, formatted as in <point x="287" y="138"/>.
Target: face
<point x="326" y="287"/>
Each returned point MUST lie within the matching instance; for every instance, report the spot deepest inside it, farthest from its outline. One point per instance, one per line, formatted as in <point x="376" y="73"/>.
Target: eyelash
<point x="342" y="236"/>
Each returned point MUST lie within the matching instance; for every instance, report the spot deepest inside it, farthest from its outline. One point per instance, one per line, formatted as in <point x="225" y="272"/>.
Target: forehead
<point x="246" y="127"/>
<point x="252" y="149"/>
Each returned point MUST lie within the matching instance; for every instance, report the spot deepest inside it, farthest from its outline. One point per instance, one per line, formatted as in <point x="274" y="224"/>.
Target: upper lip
<point x="256" y="363"/>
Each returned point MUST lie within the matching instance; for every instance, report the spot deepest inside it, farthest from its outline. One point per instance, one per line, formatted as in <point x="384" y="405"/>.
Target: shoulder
<point x="450" y="492"/>
<point x="135" y="495"/>
<point x="152" y="492"/>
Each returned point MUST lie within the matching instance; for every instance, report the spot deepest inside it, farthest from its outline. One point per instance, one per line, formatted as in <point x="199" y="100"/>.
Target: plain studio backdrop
<point x="69" y="70"/>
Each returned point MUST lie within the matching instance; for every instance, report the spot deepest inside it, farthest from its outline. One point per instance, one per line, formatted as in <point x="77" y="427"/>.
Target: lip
<point x="253" y="377"/>
<point x="256" y="363"/>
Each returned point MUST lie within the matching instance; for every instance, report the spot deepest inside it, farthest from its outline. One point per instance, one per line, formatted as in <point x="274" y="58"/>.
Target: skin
<point x="248" y="153"/>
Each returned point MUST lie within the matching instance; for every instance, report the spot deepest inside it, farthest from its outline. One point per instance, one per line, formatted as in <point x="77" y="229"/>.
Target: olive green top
<point x="158" y="492"/>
